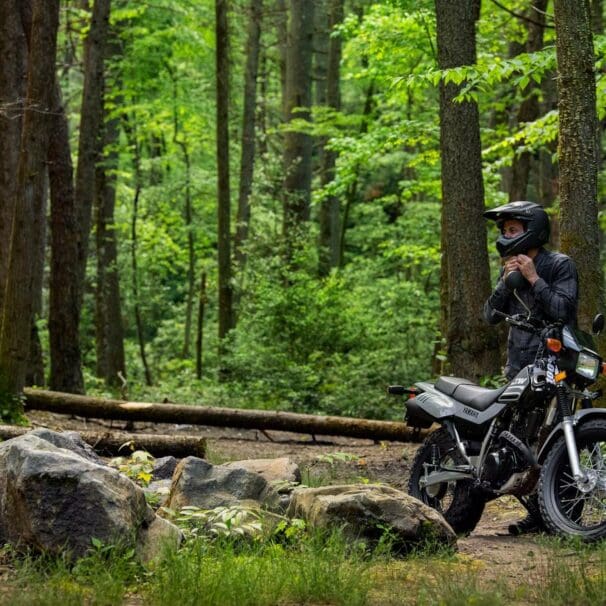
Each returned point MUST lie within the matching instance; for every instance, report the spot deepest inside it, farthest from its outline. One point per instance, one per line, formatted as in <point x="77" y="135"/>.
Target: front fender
<point x="580" y="417"/>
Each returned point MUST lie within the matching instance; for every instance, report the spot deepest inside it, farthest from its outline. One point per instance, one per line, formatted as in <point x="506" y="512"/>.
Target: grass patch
<point x="574" y="575"/>
<point x="102" y="578"/>
<point x="320" y="568"/>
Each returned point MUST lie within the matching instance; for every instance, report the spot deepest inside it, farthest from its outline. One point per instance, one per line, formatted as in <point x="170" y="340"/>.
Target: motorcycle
<point x="540" y="437"/>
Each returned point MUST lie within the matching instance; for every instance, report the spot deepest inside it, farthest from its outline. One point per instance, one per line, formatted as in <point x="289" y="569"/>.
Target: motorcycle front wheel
<point x="567" y="508"/>
<point x="458" y="502"/>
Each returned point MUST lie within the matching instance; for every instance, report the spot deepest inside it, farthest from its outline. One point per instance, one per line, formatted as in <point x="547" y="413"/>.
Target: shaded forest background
<point x="277" y="203"/>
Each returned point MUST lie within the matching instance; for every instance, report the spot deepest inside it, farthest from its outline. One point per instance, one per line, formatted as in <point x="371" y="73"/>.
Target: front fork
<point x="567" y="414"/>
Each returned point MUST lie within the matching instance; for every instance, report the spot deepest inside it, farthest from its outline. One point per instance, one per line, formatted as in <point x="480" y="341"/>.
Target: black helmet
<point x="536" y="226"/>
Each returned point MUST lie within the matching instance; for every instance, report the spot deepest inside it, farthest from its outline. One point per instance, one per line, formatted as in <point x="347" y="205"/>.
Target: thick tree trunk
<point x="247" y="159"/>
<point x="223" y="191"/>
<point x="578" y="152"/>
<point x="121" y="443"/>
<point x="298" y="146"/>
<point x="64" y="295"/>
<point x="13" y="84"/>
<point x="85" y="406"/>
<point x="89" y="143"/>
<point x="529" y="108"/>
<point x="28" y="220"/>
<point x="108" y="309"/>
<point x="329" y="207"/>
<point x="472" y="348"/>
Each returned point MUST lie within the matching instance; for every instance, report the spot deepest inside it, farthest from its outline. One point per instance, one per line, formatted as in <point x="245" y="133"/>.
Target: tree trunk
<point x="108" y="311"/>
<point x="200" y="328"/>
<point x="64" y="295"/>
<point x="298" y="146"/>
<point x="472" y="349"/>
<point x="529" y="108"/>
<point x="329" y="207"/>
<point x="28" y="220"/>
<point x="247" y="159"/>
<point x="85" y="406"/>
<point x="120" y="443"/>
<point x="578" y="152"/>
<point x="13" y="84"/>
<point x="89" y="143"/>
<point x="223" y="191"/>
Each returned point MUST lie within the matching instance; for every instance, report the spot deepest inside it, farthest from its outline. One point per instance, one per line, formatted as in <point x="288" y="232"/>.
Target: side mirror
<point x="597" y="326"/>
<point x="515" y="280"/>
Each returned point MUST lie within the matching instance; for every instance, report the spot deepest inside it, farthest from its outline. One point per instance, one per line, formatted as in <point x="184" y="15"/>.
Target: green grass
<point x="315" y="568"/>
<point x="319" y="569"/>
<point x="101" y="579"/>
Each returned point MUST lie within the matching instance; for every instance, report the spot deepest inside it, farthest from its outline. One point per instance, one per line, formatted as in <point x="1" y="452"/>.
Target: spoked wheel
<point x="457" y="501"/>
<point x="572" y="509"/>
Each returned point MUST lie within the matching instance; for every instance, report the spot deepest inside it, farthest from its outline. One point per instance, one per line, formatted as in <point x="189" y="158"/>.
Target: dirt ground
<point x="496" y="556"/>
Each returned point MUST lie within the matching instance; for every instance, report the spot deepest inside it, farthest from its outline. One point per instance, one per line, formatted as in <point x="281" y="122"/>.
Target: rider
<point x="550" y="291"/>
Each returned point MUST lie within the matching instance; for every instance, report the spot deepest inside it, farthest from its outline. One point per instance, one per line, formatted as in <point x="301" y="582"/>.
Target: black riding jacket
<point x="553" y="297"/>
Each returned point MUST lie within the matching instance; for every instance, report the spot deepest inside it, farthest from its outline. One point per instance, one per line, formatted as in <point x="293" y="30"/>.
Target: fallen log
<point x="123" y="443"/>
<point x="85" y="406"/>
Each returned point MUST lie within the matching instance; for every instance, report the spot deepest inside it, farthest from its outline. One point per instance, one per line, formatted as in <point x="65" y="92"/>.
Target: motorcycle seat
<point x="469" y="393"/>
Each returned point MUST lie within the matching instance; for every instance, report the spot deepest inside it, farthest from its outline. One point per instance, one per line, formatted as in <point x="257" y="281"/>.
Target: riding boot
<point x="532" y="522"/>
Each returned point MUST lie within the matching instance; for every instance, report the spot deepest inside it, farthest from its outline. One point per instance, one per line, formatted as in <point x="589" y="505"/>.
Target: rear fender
<point x="580" y="417"/>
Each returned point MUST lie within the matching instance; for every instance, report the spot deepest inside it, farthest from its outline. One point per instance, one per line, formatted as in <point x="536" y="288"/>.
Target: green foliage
<point x="138" y="466"/>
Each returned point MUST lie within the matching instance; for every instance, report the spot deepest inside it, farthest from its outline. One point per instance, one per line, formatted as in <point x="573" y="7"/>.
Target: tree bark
<point x="64" y="295"/>
<point x="298" y="146"/>
<point x="247" y="159"/>
<point x="578" y="152"/>
<point x="28" y="219"/>
<point x="223" y="191"/>
<point x="108" y="309"/>
<point x="529" y="108"/>
<point x="472" y="348"/>
<point x="89" y="142"/>
<point x="85" y="406"/>
<point x="13" y="84"/>
<point x="120" y="443"/>
<point x="329" y="207"/>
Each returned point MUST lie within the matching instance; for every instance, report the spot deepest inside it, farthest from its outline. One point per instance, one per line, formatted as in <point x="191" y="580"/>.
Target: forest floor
<point x="492" y="554"/>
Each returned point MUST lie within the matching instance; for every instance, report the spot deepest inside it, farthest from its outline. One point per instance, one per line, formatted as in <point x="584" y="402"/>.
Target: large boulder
<point x="197" y="482"/>
<point x="367" y="511"/>
<point x="54" y="499"/>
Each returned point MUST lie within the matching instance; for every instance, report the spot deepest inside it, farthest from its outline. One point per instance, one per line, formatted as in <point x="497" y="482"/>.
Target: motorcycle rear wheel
<point x="565" y="509"/>
<point x="460" y="504"/>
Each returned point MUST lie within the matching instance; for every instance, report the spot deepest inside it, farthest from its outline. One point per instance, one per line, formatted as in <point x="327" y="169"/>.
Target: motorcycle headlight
<point x="587" y="366"/>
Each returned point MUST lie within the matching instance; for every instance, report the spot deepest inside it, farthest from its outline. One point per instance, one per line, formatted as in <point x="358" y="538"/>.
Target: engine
<point x="499" y="466"/>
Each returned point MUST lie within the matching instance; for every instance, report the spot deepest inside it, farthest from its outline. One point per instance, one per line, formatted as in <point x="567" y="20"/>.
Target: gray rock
<point x="55" y="500"/>
<point x="164" y="468"/>
<point x="367" y="511"/>
<point x="275" y="471"/>
<point x="197" y="482"/>
<point x="156" y="538"/>
<point x="69" y="440"/>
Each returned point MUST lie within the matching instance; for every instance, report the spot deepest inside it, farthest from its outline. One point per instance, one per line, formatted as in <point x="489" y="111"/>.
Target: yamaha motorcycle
<point x="540" y="435"/>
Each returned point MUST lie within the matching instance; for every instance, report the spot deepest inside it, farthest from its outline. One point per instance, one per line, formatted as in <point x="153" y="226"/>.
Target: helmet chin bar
<point x="521" y="244"/>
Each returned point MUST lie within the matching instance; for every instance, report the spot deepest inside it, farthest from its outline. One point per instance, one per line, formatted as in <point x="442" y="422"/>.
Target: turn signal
<point x="554" y="345"/>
